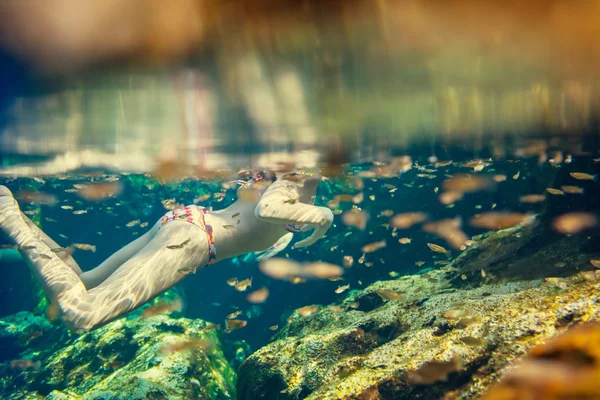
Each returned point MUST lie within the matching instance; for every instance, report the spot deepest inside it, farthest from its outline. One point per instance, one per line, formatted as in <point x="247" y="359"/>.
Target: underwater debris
<point x="163" y="307"/>
<point x="574" y="222"/>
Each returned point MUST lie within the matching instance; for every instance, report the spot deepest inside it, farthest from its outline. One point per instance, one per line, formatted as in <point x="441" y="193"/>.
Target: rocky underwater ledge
<point x="483" y="326"/>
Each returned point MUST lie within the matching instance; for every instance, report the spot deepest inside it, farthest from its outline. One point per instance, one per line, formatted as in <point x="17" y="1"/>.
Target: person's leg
<point x="152" y="271"/>
<point x="52" y="244"/>
<point x="54" y="274"/>
<point x="96" y="276"/>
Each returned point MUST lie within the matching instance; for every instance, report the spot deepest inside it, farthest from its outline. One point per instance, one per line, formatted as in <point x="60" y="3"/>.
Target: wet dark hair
<point x="261" y="174"/>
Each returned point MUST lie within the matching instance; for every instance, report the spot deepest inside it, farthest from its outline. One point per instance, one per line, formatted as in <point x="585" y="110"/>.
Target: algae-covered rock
<point x="425" y="336"/>
<point x="126" y="359"/>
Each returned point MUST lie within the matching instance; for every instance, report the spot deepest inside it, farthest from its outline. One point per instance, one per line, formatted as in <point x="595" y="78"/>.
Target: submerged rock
<point x="126" y="359"/>
<point x="426" y="336"/>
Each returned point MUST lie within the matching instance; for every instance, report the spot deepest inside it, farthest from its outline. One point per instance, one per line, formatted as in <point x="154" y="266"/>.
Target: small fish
<point x="237" y="214"/>
<point x="100" y="191"/>
<point x="228" y="226"/>
<point x="572" y="189"/>
<point x="187" y="270"/>
<point x="532" y="198"/>
<point x="274" y="327"/>
<point x="163" y="307"/>
<point x="348" y="261"/>
<point x="232" y="281"/>
<point x="388" y="294"/>
<point x="202" y="198"/>
<point x="472" y="341"/>
<point x="241" y="286"/>
<point x="35" y="335"/>
<point x="499" y="178"/>
<point x="406" y="220"/>
<point x="433" y="371"/>
<point x="132" y="223"/>
<point x="386" y="213"/>
<point x="574" y="222"/>
<point x="84" y="246"/>
<point x="143" y="224"/>
<point x="342" y="289"/>
<point x="357" y="219"/>
<point x="361" y="260"/>
<point x="582" y="176"/>
<point x="353" y="304"/>
<point x="79" y="212"/>
<point x="555" y="192"/>
<point x="404" y="240"/>
<point x="358" y="198"/>
<point x="455" y="314"/>
<point x="259" y="296"/>
<point x="335" y="279"/>
<point x="66" y="207"/>
<point x="210" y="327"/>
<point x="233" y="315"/>
<point x="185" y="345"/>
<point x="393" y="274"/>
<point x="467" y="183"/>
<point x="307" y="311"/>
<point x="497" y="220"/>
<point x="178" y="246"/>
<point x="45" y="256"/>
<point x="420" y="263"/>
<point x="371" y="247"/>
<point x="25" y="248"/>
<point x="291" y="201"/>
<point x="516" y="176"/>
<point x="23" y="365"/>
<point x="438" y="249"/>
<point x="232" y="324"/>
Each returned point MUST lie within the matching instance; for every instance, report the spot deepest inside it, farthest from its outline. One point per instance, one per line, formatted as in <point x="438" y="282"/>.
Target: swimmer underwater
<point x="182" y="241"/>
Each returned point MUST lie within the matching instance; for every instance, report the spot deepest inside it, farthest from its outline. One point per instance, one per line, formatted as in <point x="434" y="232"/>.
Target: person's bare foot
<point x="8" y="206"/>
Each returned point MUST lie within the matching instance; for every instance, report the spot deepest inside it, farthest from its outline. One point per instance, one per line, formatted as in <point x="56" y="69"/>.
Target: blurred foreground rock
<point x="449" y="333"/>
<point x="122" y="360"/>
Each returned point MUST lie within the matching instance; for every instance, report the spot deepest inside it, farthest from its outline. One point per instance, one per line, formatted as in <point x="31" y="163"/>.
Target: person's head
<point x="257" y="175"/>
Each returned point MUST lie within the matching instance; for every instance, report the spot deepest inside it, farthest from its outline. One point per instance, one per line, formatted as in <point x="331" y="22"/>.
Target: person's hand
<point x="319" y="229"/>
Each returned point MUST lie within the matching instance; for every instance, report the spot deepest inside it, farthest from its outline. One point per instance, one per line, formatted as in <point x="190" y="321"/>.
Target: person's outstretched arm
<point x="281" y="205"/>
